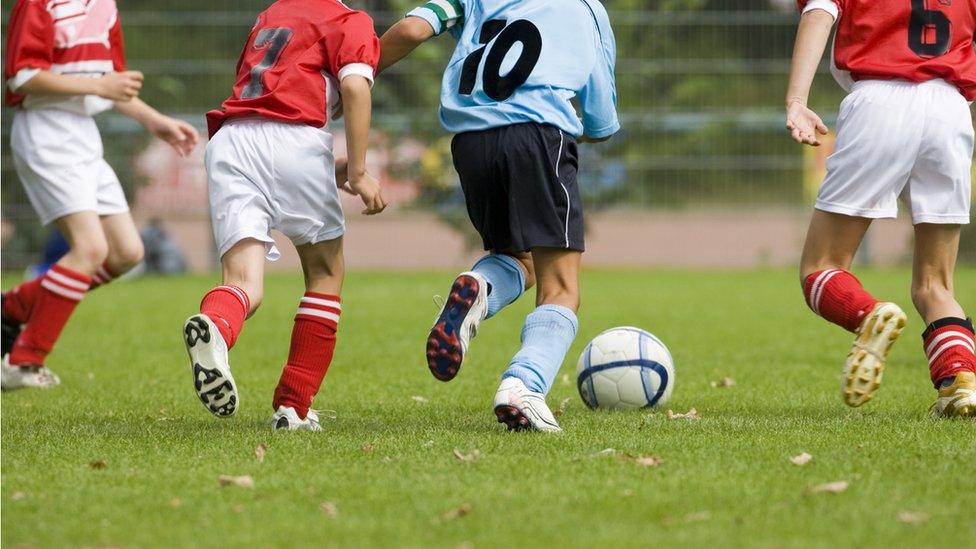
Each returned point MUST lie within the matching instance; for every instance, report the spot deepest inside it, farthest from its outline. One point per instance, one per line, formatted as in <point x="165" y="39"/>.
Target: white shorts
<point x="901" y="139"/>
<point x="59" y="160"/>
<point x="268" y="175"/>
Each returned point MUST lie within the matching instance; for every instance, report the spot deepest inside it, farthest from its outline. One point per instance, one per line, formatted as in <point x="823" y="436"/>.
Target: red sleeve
<point x="117" y="43"/>
<point x="351" y="46"/>
<point x="30" y="38"/>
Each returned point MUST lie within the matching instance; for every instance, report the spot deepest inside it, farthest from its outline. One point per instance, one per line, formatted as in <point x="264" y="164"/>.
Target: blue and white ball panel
<point x="625" y="368"/>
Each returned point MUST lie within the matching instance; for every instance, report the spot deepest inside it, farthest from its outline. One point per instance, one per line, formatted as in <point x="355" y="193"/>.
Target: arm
<point x="179" y="134"/>
<point x="117" y="86"/>
<point x="357" y="108"/>
<point x="598" y="98"/>
<point x="811" y="41"/>
<point x="401" y="39"/>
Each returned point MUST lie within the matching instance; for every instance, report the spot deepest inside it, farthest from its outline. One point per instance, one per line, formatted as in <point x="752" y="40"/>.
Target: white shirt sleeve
<point x="828" y="6"/>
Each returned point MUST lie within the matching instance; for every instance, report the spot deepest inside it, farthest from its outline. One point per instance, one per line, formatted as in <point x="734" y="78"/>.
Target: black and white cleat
<point x="212" y="380"/>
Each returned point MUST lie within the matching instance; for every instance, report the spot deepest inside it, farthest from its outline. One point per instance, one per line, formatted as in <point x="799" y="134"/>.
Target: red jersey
<point x="916" y="40"/>
<point x="81" y="37"/>
<point x="294" y="58"/>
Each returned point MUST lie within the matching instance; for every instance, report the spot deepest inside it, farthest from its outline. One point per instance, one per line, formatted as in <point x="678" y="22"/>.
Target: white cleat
<point x="457" y="324"/>
<point x="520" y="409"/>
<point x="286" y="418"/>
<point x="866" y="361"/>
<point x="212" y="379"/>
<point x="22" y="377"/>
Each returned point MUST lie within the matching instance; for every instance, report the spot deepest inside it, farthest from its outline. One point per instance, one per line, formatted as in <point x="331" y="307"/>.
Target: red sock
<point x="950" y="347"/>
<point x="102" y="277"/>
<point x="227" y="306"/>
<point x="19" y="301"/>
<point x="58" y="293"/>
<point x="838" y="296"/>
<point x="313" y="341"/>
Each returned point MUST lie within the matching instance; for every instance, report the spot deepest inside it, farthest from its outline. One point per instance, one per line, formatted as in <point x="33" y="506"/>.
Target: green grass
<point x="386" y="461"/>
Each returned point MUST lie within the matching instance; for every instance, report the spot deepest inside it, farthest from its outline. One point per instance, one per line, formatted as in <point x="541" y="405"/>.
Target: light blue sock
<point x="548" y="332"/>
<point x="506" y="277"/>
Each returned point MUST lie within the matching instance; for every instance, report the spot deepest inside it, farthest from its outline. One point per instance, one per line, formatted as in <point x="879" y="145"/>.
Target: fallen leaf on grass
<point x="627" y="493"/>
<point x="473" y="455"/>
<point x="562" y="407"/>
<point x="698" y="517"/>
<point x="724" y="382"/>
<point x="330" y="509"/>
<point x="367" y="448"/>
<point x="260" y="450"/>
<point x="913" y="517"/>
<point x="564" y="379"/>
<point x="98" y="464"/>
<point x="420" y="399"/>
<point x="644" y="460"/>
<point x="690" y="414"/>
<point x="429" y="444"/>
<point x="17" y="496"/>
<point x="390" y="459"/>
<point x="835" y="487"/>
<point x="239" y="509"/>
<point x="244" y="481"/>
<point x="460" y="511"/>
<point x="176" y="503"/>
<point x="801" y="459"/>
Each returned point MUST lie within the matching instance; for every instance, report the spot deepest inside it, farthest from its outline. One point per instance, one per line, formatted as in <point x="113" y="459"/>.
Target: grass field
<point x="122" y="454"/>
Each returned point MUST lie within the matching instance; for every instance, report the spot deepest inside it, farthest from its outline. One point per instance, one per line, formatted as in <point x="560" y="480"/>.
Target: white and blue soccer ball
<point x="625" y="368"/>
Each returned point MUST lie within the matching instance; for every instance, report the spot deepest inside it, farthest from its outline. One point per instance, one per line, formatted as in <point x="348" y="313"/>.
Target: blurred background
<point x="701" y="175"/>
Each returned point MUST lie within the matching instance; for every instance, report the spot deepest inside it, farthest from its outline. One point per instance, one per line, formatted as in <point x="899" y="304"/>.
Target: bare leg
<point x="88" y="247"/>
<point x="125" y="249"/>
<point x="243" y="266"/>
<point x="557" y="274"/>
<point x="832" y="241"/>
<point x="936" y="249"/>
<point x="323" y="265"/>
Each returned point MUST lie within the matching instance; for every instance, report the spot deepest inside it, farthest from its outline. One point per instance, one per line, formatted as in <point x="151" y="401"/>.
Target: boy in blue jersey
<point x="506" y="94"/>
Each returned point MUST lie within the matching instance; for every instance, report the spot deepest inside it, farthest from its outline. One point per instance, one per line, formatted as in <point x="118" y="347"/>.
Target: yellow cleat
<point x="958" y="399"/>
<point x="866" y="361"/>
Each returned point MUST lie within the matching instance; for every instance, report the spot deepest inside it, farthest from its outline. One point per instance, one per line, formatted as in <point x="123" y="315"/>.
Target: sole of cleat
<point x="865" y="369"/>
<point x="512" y="418"/>
<point x="444" y="354"/>
<point x="213" y="383"/>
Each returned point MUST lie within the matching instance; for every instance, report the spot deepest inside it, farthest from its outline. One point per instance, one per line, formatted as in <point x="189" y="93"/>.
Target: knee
<point x="91" y="253"/>
<point x="122" y="259"/>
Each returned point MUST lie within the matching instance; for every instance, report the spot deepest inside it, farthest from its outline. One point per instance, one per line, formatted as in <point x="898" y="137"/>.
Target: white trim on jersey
<point x="22" y="77"/>
<point x="99" y="66"/>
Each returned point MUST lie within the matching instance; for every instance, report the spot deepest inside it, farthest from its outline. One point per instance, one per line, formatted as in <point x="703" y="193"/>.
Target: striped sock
<point x="227" y="306"/>
<point x="102" y="276"/>
<point x="838" y="297"/>
<point x="313" y="341"/>
<point x="950" y="347"/>
<point x="19" y="301"/>
<point x="58" y="293"/>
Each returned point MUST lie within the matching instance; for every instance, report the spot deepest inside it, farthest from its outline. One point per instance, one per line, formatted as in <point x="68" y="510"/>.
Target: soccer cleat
<point x="866" y="361"/>
<point x="212" y="379"/>
<point x="286" y="419"/>
<point x="957" y="399"/>
<point x="466" y="306"/>
<point x="9" y="330"/>
<point x="21" y="377"/>
<point x="521" y="409"/>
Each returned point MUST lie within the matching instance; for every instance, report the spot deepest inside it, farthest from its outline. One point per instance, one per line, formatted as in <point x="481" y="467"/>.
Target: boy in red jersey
<point x="905" y="131"/>
<point x="270" y="166"/>
<point x="65" y="63"/>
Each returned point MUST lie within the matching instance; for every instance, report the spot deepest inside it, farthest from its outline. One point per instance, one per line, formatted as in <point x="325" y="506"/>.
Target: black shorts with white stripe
<point x="520" y="186"/>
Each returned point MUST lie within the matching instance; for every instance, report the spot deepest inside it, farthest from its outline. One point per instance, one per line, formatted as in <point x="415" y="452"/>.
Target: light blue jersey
<point x="520" y="61"/>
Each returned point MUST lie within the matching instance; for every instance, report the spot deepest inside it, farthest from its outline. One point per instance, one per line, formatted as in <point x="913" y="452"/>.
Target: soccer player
<point x="65" y="63"/>
<point x="270" y="166"/>
<point x="904" y="131"/>
<point x="507" y="95"/>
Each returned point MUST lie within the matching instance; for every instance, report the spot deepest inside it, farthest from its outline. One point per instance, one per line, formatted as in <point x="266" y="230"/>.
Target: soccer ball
<point x="625" y="369"/>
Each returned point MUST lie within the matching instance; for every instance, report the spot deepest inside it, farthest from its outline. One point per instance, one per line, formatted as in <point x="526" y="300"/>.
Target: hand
<point x="337" y="108"/>
<point x="587" y="139"/>
<point x="179" y="134"/>
<point x="119" y="86"/>
<point x="804" y="124"/>
<point x="342" y="175"/>
<point x="368" y="189"/>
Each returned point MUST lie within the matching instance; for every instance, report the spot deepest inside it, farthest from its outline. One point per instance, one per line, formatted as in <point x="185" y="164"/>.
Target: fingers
<point x="374" y="203"/>
<point x="821" y="127"/>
